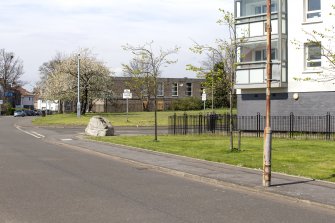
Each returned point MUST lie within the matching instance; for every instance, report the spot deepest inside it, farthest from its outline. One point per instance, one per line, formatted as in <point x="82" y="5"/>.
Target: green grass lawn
<point x="117" y="119"/>
<point x="309" y="158"/>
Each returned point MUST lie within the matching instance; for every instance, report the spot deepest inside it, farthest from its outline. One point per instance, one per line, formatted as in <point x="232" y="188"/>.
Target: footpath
<point x="299" y="189"/>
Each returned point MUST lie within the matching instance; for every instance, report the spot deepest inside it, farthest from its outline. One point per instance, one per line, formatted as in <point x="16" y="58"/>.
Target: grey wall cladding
<point x="282" y="104"/>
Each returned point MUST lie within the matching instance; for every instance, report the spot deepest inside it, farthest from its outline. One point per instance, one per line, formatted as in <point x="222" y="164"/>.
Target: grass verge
<point x="308" y="158"/>
<point x="117" y="119"/>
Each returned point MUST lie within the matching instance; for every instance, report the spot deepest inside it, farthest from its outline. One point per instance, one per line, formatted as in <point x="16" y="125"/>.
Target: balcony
<point x="250" y="8"/>
<point x="253" y="75"/>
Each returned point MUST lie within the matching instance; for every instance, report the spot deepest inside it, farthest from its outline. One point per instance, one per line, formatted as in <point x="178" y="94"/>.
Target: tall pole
<point x="127" y="109"/>
<point x="213" y="83"/>
<point x="155" y="91"/>
<point x="78" y="88"/>
<point x="267" y="130"/>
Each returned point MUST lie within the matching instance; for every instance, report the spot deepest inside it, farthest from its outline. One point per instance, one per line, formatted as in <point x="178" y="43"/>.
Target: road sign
<point x="127" y="95"/>
<point x="203" y="97"/>
<point x="9" y="94"/>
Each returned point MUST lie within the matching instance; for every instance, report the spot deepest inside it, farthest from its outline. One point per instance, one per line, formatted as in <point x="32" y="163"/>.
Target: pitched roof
<point x="23" y="91"/>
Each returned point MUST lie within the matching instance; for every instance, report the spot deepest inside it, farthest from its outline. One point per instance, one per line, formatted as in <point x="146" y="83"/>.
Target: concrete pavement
<point x="299" y="189"/>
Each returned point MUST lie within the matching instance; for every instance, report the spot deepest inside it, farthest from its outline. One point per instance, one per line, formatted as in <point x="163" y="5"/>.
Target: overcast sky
<point x="35" y="30"/>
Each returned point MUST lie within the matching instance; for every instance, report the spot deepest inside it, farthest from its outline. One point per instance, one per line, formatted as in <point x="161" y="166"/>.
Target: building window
<point x="188" y="89"/>
<point x="174" y="89"/>
<point x="160" y="89"/>
<point x="260" y="55"/>
<point x="253" y="7"/>
<point x="262" y="9"/>
<point x="313" y="9"/>
<point x="313" y="55"/>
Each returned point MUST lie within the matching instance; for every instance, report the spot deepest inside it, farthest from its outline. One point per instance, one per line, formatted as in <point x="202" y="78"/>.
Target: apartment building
<point x="294" y="58"/>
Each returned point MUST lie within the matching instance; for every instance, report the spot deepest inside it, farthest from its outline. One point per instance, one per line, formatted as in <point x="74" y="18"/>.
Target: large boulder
<point x="99" y="126"/>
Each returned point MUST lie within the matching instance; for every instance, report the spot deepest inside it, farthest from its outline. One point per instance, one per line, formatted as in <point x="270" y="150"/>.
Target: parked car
<point x="29" y="112"/>
<point x="38" y="112"/>
<point x="19" y="113"/>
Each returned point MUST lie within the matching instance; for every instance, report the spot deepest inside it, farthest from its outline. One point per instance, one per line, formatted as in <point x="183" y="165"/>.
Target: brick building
<point x="168" y="90"/>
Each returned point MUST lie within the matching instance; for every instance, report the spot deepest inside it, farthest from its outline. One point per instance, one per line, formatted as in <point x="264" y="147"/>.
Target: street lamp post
<point x="155" y="91"/>
<point x="267" y="130"/>
<point x="78" y="88"/>
<point x="213" y="82"/>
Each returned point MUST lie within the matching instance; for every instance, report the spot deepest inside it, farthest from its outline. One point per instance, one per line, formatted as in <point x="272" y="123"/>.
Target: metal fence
<point x="318" y="127"/>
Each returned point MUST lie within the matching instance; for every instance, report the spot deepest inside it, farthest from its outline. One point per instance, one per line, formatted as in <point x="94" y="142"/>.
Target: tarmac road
<point x="47" y="175"/>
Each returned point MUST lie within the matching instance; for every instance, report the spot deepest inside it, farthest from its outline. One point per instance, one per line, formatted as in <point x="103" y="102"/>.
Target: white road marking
<point x="34" y="134"/>
<point x="66" y="139"/>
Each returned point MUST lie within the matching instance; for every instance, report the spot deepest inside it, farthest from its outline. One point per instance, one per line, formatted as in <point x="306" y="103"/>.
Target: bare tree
<point x="224" y="53"/>
<point x="141" y="81"/>
<point x="147" y="63"/>
<point x="11" y="70"/>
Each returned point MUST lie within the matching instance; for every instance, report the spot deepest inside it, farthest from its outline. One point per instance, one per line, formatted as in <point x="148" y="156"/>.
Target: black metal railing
<point x="321" y="127"/>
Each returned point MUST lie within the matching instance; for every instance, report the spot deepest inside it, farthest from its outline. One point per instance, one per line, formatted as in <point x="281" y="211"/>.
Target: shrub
<point x="185" y="104"/>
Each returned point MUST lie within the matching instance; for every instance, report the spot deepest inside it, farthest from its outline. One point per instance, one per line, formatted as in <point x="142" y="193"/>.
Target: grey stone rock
<point x="99" y="126"/>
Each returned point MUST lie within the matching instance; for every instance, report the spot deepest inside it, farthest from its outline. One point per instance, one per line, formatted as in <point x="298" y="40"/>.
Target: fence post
<point x="174" y="123"/>
<point x="291" y="124"/>
<point x="185" y="124"/>
<point x="258" y="124"/>
<point x="200" y="123"/>
<point x="227" y="123"/>
<point x="213" y="122"/>
<point x="239" y="140"/>
<point x="328" y="126"/>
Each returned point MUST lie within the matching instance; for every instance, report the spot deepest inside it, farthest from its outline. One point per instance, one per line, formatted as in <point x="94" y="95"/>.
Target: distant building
<point x="9" y="95"/>
<point x="27" y="99"/>
<point x="168" y="90"/>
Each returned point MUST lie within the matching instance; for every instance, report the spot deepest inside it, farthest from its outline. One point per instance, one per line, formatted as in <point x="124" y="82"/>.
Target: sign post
<point x="203" y="98"/>
<point x="1" y="102"/>
<point x="127" y="95"/>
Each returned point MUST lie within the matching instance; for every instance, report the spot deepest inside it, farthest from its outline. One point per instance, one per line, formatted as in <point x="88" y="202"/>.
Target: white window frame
<point x="160" y="89"/>
<point x="263" y="9"/>
<point x="264" y="54"/>
<point x="173" y="92"/>
<point x="189" y="86"/>
<point x="307" y="13"/>
<point x="309" y="62"/>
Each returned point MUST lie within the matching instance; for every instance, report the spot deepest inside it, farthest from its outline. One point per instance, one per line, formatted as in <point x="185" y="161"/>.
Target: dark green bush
<point x="185" y="104"/>
<point x="10" y="111"/>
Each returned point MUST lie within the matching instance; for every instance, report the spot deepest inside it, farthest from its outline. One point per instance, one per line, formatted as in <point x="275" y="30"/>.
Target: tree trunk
<point x="60" y="107"/>
<point x="85" y="102"/>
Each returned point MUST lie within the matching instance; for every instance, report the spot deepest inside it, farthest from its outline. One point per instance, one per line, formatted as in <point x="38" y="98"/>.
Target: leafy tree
<point x="146" y="66"/>
<point x="61" y="80"/>
<point x="47" y="72"/>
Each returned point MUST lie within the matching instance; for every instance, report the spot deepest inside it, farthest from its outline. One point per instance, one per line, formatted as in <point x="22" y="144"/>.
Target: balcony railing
<point x="253" y="74"/>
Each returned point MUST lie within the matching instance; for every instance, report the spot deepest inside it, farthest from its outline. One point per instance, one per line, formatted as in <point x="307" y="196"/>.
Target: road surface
<point x="43" y="182"/>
